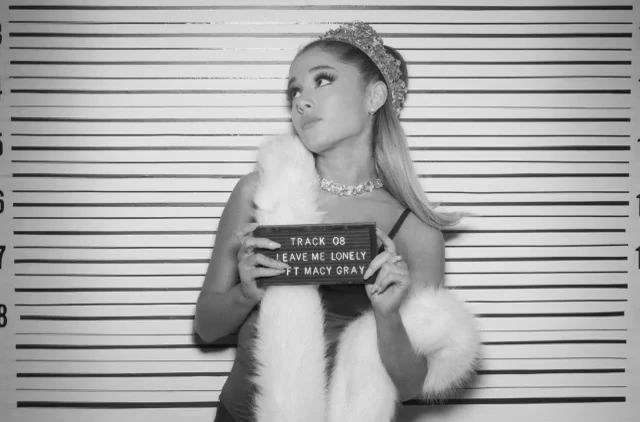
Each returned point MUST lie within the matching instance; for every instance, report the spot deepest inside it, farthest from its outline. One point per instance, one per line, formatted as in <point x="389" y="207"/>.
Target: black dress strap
<point x="397" y="225"/>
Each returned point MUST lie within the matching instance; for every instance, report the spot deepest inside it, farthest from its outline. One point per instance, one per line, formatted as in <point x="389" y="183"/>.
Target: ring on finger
<point x="248" y="250"/>
<point x="395" y="259"/>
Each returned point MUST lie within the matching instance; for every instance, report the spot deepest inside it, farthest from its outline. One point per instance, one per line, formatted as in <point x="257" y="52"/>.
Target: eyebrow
<point x="314" y="68"/>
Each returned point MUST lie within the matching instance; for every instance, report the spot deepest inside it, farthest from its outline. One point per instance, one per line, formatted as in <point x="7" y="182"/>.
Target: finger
<point x="259" y="242"/>
<point x="388" y="277"/>
<point x="269" y="262"/>
<point x="384" y="279"/>
<point x="386" y="241"/>
<point x="376" y="263"/>
<point x="244" y="231"/>
<point x="258" y="272"/>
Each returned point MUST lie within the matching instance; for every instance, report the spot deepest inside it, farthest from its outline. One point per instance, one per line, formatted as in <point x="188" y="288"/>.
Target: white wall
<point x="125" y="127"/>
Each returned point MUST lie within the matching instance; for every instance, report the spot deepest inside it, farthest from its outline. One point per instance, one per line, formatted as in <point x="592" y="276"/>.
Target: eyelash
<point x="322" y="75"/>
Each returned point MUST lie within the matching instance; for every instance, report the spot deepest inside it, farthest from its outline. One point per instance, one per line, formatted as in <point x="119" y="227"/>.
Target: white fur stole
<point x="290" y="345"/>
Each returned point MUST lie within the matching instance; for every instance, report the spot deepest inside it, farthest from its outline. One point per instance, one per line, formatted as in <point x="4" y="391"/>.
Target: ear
<point x="377" y="95"/>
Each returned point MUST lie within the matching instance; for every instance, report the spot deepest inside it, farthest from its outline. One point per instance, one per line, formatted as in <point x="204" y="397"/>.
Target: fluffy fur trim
<point x="439" y="328"/>
<point x="290" y="344"/>
<point x="290" y="347"/>
<point x="287" y="191"/>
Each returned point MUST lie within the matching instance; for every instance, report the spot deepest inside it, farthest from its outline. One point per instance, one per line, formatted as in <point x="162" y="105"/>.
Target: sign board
<point x="320" y="253"/>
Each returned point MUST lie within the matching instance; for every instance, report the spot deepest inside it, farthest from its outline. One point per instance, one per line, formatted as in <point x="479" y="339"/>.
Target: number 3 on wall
<point x="3" y="316"/>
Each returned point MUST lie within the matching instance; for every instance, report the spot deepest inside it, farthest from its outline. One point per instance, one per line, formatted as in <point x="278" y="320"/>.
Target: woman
<point x="394" y="339"/>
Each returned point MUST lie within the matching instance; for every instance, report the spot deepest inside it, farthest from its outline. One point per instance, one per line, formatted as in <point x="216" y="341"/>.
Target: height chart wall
<point x="125" y="125"/>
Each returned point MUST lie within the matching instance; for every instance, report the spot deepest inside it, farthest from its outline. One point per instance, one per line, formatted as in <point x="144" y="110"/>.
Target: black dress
<point x="342" y="304"/>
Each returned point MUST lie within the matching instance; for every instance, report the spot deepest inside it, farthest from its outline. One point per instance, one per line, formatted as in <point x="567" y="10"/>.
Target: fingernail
<point x="367" y="274"/>
<point x="275" y="244"/>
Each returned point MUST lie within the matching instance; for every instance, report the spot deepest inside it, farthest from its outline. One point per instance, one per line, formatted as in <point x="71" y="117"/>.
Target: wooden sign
<point x="320" y="253"/>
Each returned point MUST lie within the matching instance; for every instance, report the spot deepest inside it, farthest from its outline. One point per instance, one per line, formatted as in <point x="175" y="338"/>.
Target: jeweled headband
<point x="366" y="39"/>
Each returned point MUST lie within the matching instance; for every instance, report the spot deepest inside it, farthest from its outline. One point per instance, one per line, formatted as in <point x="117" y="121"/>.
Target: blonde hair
<point x="390" y="149"/>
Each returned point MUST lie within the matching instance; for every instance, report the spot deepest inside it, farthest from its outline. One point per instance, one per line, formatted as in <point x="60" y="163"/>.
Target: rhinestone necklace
<point x="350" y="190"/>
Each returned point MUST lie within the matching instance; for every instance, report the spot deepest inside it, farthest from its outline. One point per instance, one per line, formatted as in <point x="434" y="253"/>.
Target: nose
<point x="302" y="104"/>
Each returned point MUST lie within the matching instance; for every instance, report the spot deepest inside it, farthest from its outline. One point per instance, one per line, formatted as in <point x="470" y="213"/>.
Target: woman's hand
<point x="253" y="265"/>
<point x="393" y="280"/>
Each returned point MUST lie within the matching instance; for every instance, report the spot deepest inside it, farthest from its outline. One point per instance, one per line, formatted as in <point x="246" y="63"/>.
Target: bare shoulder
<point x="246" y="186"/>
<point x="239" y="208"/>
<point x="222" y="271"/>
<point x="422" y="247"/>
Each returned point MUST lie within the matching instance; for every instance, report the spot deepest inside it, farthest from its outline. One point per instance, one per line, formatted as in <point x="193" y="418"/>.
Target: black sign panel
<point x="320" y="253"/>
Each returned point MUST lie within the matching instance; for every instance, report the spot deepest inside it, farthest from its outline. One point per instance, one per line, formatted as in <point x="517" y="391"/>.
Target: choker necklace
<point x="350" y="190"/>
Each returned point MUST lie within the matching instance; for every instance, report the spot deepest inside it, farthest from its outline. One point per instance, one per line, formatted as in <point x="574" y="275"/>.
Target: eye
<point x="324" y="78"/>
<point x="292" y="93"/>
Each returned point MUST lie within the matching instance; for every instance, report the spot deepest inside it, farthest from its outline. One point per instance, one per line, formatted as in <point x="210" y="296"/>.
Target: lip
<point x="310" y="122"/>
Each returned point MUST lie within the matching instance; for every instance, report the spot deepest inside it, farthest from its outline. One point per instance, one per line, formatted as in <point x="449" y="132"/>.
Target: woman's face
<point x="328" y="100"/>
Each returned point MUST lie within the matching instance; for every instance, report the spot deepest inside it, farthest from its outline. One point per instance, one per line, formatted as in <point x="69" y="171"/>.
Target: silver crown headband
<point x="366" y="39"/>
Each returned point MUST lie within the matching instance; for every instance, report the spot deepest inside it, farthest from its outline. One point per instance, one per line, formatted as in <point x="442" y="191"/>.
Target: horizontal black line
<point x="141" y="304"/>
<point x="538" y="203"/>
<point x="121" y="346"/>
<point x="191" y="317"/>
<point x="318" y="7"/>
<point x="222" y="204"/>
<point x="112" y="232"/>
<point x="164" y="334"/>
<point x="286" y="119"/>
<point x="123" y="204"/>
<point x="226" y="373"/>
<point x="284" y="62"/>
<point x="162" y="247"/>
<point x="537" y="342"/>
<point x="550" y="371"/>
<point x="103" y="318"/>
<point x="541" y="286"/>
<point x="118" y="261"/>
<point x="105" y="289"/>
<point x="209" y="232"/>
<point x="536" y="231"/>
<point x="204" y="261"/>
<point x="550" y="215"/>
<point x="250" y="148"/>
<point x="171" y="390"/>
<point x="237" y="176"/>
<point x="195" y="289"/>
<point x="214" y="404"/>
<point x="490" y="301"/>
<point x="481" y="175"/>
<point x="229" y="191"/>
<point x="107" y="275"/>
<point x="193" y="303"/>
<point x="114" y="405"/>
<point x="119" y="374"/>
<point x="520" y="400"/>
<point x="528" y="245"/>
<point x="435" y="23"/>
<point x="552" y="315"/>
<point x="459" y="161"/>
<point x="171" y="134"/>
<point x="537" y="272"/>
<point x="515" y="91"/>
<point x="214" y="218"/>
<point x="411" y="77"/>
<point x="284" y="107"/>
<point x="137" y="148"/>
<point x="276" y="91"/>
<point x="253" y="161"/>
<point x="538" y="258"/>
<point x="261" y="135"/>
<point x="415" y="161"/>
